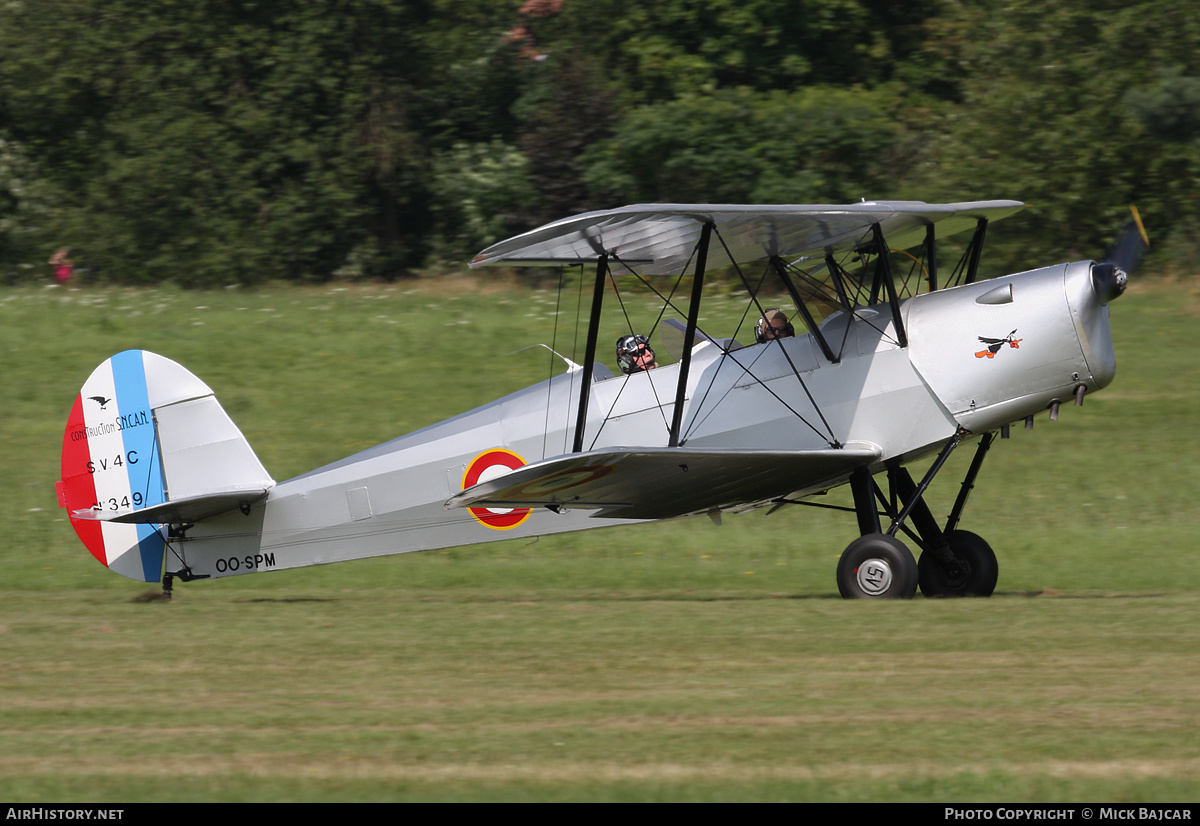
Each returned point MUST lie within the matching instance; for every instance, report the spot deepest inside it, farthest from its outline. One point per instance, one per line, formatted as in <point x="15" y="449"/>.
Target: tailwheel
<point x="973" y="573"/>
<point x="877" y="566"/>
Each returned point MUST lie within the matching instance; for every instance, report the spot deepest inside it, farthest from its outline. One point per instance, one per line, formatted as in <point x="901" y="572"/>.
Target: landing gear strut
<point x="877" y="565"/>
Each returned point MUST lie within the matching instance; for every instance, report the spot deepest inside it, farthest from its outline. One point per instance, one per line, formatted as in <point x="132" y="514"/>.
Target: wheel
<point x="977" y="563"/>
<point x="877" y="566"/>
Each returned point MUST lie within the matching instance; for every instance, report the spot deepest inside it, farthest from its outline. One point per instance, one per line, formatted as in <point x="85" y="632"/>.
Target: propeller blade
<point x="1132" y="244"/>
<point x="1111" y="275"/>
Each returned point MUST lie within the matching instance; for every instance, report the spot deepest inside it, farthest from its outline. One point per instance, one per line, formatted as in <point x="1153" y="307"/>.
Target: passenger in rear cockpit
<point x="773" y="324"/>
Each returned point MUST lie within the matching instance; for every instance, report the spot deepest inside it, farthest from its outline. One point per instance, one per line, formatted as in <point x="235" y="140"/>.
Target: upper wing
<point x="659" y="483"/>
<point x="658" y="239"/>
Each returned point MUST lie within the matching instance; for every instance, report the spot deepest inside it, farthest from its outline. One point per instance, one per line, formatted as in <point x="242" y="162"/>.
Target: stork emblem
<point x="994" y="345"/>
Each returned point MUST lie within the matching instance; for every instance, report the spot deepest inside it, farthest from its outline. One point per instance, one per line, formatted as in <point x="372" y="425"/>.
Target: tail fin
<point x="147" y="444"/>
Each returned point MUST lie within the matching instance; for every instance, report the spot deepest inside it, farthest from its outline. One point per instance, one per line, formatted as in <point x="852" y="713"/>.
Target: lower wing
<point x="660" y="483"/>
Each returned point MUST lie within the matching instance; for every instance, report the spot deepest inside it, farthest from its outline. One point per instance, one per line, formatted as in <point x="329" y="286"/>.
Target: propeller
<point x="1111" y="275"/>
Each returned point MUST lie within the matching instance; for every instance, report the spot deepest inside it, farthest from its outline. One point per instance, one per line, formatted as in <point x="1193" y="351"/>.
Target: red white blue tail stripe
<point x="111" y="465"/>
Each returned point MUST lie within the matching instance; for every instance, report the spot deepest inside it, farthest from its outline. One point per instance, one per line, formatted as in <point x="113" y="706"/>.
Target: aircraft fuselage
<point x="782" y="395"/>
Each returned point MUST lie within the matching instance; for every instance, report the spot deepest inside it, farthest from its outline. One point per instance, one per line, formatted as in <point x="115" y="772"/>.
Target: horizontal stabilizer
<point x="660" y="483"/>
<point x="181" y="511"/>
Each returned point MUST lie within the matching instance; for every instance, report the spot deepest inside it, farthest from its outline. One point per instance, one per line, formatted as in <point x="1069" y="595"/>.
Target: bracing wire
<point x="795" y="371"/>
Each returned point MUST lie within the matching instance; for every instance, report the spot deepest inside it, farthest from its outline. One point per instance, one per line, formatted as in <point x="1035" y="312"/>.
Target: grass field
<point x="676" y="661"/>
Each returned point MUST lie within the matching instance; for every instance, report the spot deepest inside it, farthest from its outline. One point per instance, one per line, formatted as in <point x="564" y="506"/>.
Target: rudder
<point x="145" y="441"/>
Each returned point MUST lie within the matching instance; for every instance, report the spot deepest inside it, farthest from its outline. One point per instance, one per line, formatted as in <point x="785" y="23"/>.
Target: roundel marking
<point x="489" y="465"/>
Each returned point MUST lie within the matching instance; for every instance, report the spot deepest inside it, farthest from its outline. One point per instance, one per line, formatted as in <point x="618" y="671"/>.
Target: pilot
<point x="634" y="354"/>
<point x="773" y="324"/>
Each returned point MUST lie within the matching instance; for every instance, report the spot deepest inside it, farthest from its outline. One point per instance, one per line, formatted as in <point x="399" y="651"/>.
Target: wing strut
<point x="971" y="257"/>
<point x="774" y="261"/>
<point x="931" y="251"/>
<point x="589" y="359"/>
<point x="802" y="308"/>
<point x="884" y="273"/>
<point x="690" y="333"/>
<point x="836" y="274"/>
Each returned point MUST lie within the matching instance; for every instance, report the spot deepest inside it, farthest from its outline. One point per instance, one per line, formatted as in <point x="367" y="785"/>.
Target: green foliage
<point x="213" y="142"/>
<point x="1048" y="117"/>
<point x="472" y="75"/>
<point x="1169" y="109"/>
<point x="26" y="201"/>
<point x="481" y="193"/>
<point x="569" y="105"/>
<point x="666" y="50"/>
<point x="815" y="145"/>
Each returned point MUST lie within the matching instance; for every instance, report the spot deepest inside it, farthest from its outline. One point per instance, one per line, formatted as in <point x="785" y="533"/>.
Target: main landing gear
<point x="953" y="563"/>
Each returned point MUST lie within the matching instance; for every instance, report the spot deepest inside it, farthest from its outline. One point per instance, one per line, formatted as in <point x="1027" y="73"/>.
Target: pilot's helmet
<point x="773" y="324"/>
<point x="628" y="349"/>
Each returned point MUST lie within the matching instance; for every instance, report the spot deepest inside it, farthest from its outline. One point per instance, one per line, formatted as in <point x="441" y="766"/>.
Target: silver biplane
<point x="882" y="367"/>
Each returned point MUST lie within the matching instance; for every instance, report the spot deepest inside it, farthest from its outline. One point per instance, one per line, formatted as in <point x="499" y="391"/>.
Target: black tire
<point x="877" y="566"/>
<point x="978" y="574"/>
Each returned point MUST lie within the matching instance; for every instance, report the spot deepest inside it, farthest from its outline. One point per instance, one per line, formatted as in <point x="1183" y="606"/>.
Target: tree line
<point x="209" y="142"/>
